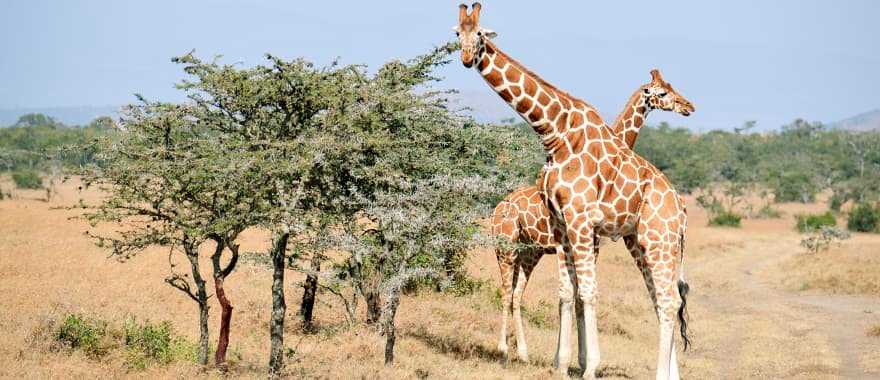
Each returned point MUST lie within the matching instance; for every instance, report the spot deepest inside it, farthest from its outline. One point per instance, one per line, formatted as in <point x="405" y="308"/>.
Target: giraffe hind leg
<point x="526" y="264"/>
<point x="506" y="267"/>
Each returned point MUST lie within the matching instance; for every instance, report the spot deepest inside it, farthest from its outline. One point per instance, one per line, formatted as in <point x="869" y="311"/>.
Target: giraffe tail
<point x="683" y="290"/>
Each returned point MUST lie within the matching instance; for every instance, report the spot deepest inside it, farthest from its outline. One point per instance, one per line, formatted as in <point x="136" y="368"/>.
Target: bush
<point x="812" y="222"/>
<point x="27" y="179"/>
<point x="820" y="239"/>
<point x="88" y="335"/>
<point x="144" y="344"/>
<point x="148" y="344"/>
<point x="863" y="218"/>
<point x="726" y="218"/>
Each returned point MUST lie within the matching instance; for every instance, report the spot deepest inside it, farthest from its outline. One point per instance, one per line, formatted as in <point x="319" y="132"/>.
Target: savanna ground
<point x="759" y="308"/>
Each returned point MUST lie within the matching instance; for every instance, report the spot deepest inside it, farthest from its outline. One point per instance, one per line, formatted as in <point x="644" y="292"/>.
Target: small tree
<point x="172" y="183"/>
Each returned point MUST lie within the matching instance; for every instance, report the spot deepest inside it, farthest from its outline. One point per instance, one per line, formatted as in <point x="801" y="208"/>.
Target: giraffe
<point x="522" y="218"/>
<point x="594" y="185"/>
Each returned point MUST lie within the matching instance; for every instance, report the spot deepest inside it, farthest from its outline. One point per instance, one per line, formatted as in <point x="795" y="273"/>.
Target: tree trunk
<point x="192" y="253"/>
<point x="388" y="327"/>
<point x="310" y="291"/>
<point x="374" y="305"/>
<point x="279" y="307"/>
<point x="220" y="275"/>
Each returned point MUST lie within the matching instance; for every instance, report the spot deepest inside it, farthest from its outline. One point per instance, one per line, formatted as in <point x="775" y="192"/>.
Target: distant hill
<point x="67" y="115"/>
<point x="868" y="121"/>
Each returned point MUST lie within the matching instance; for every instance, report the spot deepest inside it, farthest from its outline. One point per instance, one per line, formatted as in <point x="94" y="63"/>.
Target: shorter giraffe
<point x="522" y="216"/>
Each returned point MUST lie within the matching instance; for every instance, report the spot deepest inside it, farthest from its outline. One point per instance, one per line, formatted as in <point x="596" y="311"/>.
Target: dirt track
<point x="776" y="333"/>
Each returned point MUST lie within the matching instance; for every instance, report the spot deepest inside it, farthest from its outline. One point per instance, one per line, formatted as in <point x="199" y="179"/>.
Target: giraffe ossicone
<point x="594" y="185"/>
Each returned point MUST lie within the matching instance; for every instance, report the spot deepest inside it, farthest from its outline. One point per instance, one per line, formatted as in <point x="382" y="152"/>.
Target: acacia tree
<point x="170" y="183"/>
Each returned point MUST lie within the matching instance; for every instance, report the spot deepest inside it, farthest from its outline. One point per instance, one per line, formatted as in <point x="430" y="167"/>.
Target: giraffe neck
<point x="551" y="112"/>
<point x="631" y="119"/>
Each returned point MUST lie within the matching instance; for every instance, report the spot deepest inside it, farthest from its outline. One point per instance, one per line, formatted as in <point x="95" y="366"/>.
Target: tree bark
<point x="310" y="291"/>
<point x="279" y="307"/>
<point x="192" y="254"/>
<point x="220" y="274"/>
<point x="374" y="305"/>
<point x="388" y="327"/>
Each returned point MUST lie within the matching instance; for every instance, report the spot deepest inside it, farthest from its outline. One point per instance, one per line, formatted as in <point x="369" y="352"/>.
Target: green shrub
<point x="151" y="344"/>
<point x="863" y="218"/>
<point x="27" y="179"/>
<point x="88" y="335"/>
<point x="143" y="344"/>
<point x="726" y="218"/>
<point x="812" y="222"/>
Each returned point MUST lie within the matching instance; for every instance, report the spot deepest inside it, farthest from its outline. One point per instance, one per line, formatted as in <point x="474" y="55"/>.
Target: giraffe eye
<point x="480" y="33"/>
<point x="456" y="34"/>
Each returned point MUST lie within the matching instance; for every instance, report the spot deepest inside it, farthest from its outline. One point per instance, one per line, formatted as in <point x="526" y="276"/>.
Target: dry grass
<point x="738" y="323"/>
<point x="874" y="331"/>
<point x="851" y="268"/>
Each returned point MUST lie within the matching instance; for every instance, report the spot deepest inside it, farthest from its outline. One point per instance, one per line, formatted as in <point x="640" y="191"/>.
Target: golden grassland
<point x="759" y="307"/>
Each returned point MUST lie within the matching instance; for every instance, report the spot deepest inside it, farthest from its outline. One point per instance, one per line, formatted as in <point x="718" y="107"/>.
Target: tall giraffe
<point x="594" y="185"/>
<point x="522" y="218"/>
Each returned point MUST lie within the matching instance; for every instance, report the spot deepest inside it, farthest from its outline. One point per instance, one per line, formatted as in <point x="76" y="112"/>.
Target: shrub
<point x="88" y="335"/>
<point x="863" y="218"/>
<point x="149" y="344"/>
<point x="820" y="239"/>
<point x="143" y="344"/>
<point x="726" y="218"/>
<point x="812" y="222"/>
<point x="27" y="179"/>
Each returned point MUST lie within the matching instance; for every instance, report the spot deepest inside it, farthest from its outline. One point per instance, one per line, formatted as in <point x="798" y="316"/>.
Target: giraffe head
<point x="659" y="95"/>
<point x="470" y="34"/>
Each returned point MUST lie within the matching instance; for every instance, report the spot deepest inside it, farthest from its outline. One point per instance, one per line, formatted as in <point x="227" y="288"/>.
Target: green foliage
<point x="36" y="140"/>
<point x="795" y="163"/>
<point x="27" y="179"/>
<point x="81" y="333"/>
<point x="726" y="219"/>
<point x="144" y="344"/>
<point x="149" y="344"/>
<point x="864" y="218"/>
<point x="812" y="222"/>
<point x="721" y="208"/>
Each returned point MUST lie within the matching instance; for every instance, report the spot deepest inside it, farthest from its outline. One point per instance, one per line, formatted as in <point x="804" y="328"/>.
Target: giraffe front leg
<point x="566" y="304"/>
<point x="581" y="322"/>
<point x="584" y="254"/>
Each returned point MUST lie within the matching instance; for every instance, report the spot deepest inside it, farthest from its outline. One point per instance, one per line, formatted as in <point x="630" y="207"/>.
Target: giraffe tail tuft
<point x="683" y="290"/>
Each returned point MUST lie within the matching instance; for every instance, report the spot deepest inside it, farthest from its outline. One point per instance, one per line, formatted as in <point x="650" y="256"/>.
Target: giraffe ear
<point x="488" y="33"/>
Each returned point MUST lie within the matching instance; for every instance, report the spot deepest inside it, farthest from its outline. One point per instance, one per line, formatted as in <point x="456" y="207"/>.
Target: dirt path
<point x="775" y="333"/>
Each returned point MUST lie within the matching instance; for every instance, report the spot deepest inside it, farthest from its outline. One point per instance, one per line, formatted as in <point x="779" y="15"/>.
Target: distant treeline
<point x="794" y="163"/>
<point x="38" y="141"/>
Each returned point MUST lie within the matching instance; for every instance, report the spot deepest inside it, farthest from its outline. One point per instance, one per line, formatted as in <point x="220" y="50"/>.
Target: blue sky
<point x="770" y="61"/>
